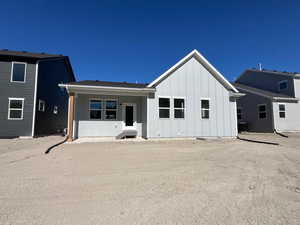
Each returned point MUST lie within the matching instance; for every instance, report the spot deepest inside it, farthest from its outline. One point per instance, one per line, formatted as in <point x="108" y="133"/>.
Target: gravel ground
<point x="153" y="182"/>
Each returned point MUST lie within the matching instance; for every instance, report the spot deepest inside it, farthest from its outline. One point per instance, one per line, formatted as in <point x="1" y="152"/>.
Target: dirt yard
<point x="226" y="182"/>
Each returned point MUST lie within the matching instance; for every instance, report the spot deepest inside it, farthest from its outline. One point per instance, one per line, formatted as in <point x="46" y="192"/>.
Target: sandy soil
<point x="162" y="182"/>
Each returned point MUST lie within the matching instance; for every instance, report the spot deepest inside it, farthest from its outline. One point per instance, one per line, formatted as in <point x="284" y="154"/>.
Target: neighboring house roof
<point x="31" y="57"/>
<point x="201" y="60"/>
<point x="5" y="52"/>
<point x="108" y="84"/>
<point x="270" y="72"/>
<point x="260" y="92"/>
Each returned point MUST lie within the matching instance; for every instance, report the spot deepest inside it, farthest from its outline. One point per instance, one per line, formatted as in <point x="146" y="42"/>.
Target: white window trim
<point x="12" y="72"/>
<point x="241" y="108"/>
<point x="8" y="116"/>
<point x="170" y="113"/>
<point x="262" y="111"/>
<point x="173" y="99"/>
<point x="104" y="109"/>
<point x="209" y="109"/>
<point x="97" y="99"/>
<point x="279" y="111"/>
<point x="283" y="81"/>
<point x="39" y="108"/>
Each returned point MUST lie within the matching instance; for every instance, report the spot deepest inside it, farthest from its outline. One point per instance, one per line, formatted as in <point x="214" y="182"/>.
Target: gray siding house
<point x="31" y="103"/>
<point x="191" y="99"/>
<point x="271" y="102"/>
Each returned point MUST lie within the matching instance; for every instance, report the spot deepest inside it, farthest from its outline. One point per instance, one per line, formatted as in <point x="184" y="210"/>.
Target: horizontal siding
<point x="16" y="90"/>
<point x="193" y="82"/>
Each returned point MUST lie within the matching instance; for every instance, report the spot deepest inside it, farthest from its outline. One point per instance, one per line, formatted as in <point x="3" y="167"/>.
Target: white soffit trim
<point x="203" y="61"/>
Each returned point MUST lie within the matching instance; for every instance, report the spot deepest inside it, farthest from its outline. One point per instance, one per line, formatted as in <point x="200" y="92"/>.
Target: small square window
<point x="262" y="111"/>
<point x="18" y="72"/>
<point x="281" y="110"/>
<point x="282" y="85"/>
<point x="42" y="106"/>
<point x="164" y="113"/>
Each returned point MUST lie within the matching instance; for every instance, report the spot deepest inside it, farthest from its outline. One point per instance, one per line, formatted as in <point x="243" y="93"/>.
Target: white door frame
<point x="124" y="116"/>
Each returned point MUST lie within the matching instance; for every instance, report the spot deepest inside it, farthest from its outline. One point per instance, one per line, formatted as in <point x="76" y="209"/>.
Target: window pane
<point x="178" y="113"/>
<point x="164" y="113"/>
<point x="283" y="85"/>
<point x="262" y="108"/>
<point x="239" y="116"/>
<point x="95" y="104"/>
<point x="15" y="114"/>
<point x="16" y="104"/>
<point x="205" y="114"/>
<point x="111" y="105"/>
<point x="111" y="114"/>
<point x="164" y="102"/>
<point x="281" y="107"/>
<point x="18" y="72"/>
<point x="262" y="115"/>
<point x="95" y="114"/>
<point x="282" y="114"/>
<point x="205" y="104"/>
<point x="178" y="103"/>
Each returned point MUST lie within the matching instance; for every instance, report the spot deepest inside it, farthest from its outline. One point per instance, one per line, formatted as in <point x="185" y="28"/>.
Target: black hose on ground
<point x="57" y="144"/>
<point x="260" y="142"/>
<point x="280" y="134"/>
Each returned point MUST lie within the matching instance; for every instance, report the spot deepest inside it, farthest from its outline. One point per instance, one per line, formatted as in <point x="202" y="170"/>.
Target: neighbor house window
<point x="111" y="110"/>
<point x="282" y="110"/>
<point x="55" y="110"/>
<point x="262" y="111"/>
<point x="282" y="85"/>
<point x="179" y="108"/>
<point x="18" y="72"/>
<point x="15" y="108"/>
<point x="205" y="108"/>
<point x="42" y="105"/>
<point x="164" y="108"/>
<point x="239" y="113"/>
<point x="95" y="109"/>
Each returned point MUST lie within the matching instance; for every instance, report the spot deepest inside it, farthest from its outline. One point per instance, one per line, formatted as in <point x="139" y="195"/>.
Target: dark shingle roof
<point x="272" y="72"/>
<point x="270" y="94"/>
<point x="108" y="84"/>
<point x="5" y="52"/>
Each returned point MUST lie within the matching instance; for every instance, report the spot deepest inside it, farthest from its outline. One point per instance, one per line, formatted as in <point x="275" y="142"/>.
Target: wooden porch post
<point x="71" y="117"/>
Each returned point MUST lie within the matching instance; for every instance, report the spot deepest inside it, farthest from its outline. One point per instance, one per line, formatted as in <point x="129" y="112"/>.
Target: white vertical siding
<point x="192" y="81"/>
<point x="291" y="122"/>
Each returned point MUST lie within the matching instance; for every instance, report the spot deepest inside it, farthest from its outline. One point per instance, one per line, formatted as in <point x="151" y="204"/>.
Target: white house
<point x="191" y="99"/>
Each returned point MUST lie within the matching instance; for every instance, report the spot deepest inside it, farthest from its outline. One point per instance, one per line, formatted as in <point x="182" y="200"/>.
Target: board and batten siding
<point x="193" y="82"/>
<point x="85" y="127"/>
<point x="291" y="122"/>
<point x="8" y="89"/>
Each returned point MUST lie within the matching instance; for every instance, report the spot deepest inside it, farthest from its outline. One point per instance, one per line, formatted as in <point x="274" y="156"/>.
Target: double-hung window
<point x="179" y="108"/>
<point x="95" y="109"/>
<point x="205" y="108"/>
<point x="111" y="110"/>
<point x="281" y="110"/>
<point x="15" y="108"/>
<point x="164" y="107"/>
<point x="239" y="113"/>
<point x="262" y="111"/>
<point x="18" y="72"/>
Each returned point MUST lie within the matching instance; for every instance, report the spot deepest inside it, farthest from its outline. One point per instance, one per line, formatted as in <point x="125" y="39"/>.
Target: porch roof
<point x="107" y="87"/>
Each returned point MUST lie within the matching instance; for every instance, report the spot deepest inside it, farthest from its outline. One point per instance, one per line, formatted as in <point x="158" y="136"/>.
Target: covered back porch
<point x="107" y="111"/>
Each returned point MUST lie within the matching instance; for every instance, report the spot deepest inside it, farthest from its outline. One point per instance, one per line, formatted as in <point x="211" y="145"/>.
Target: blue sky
<point x="119" y="40"/>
